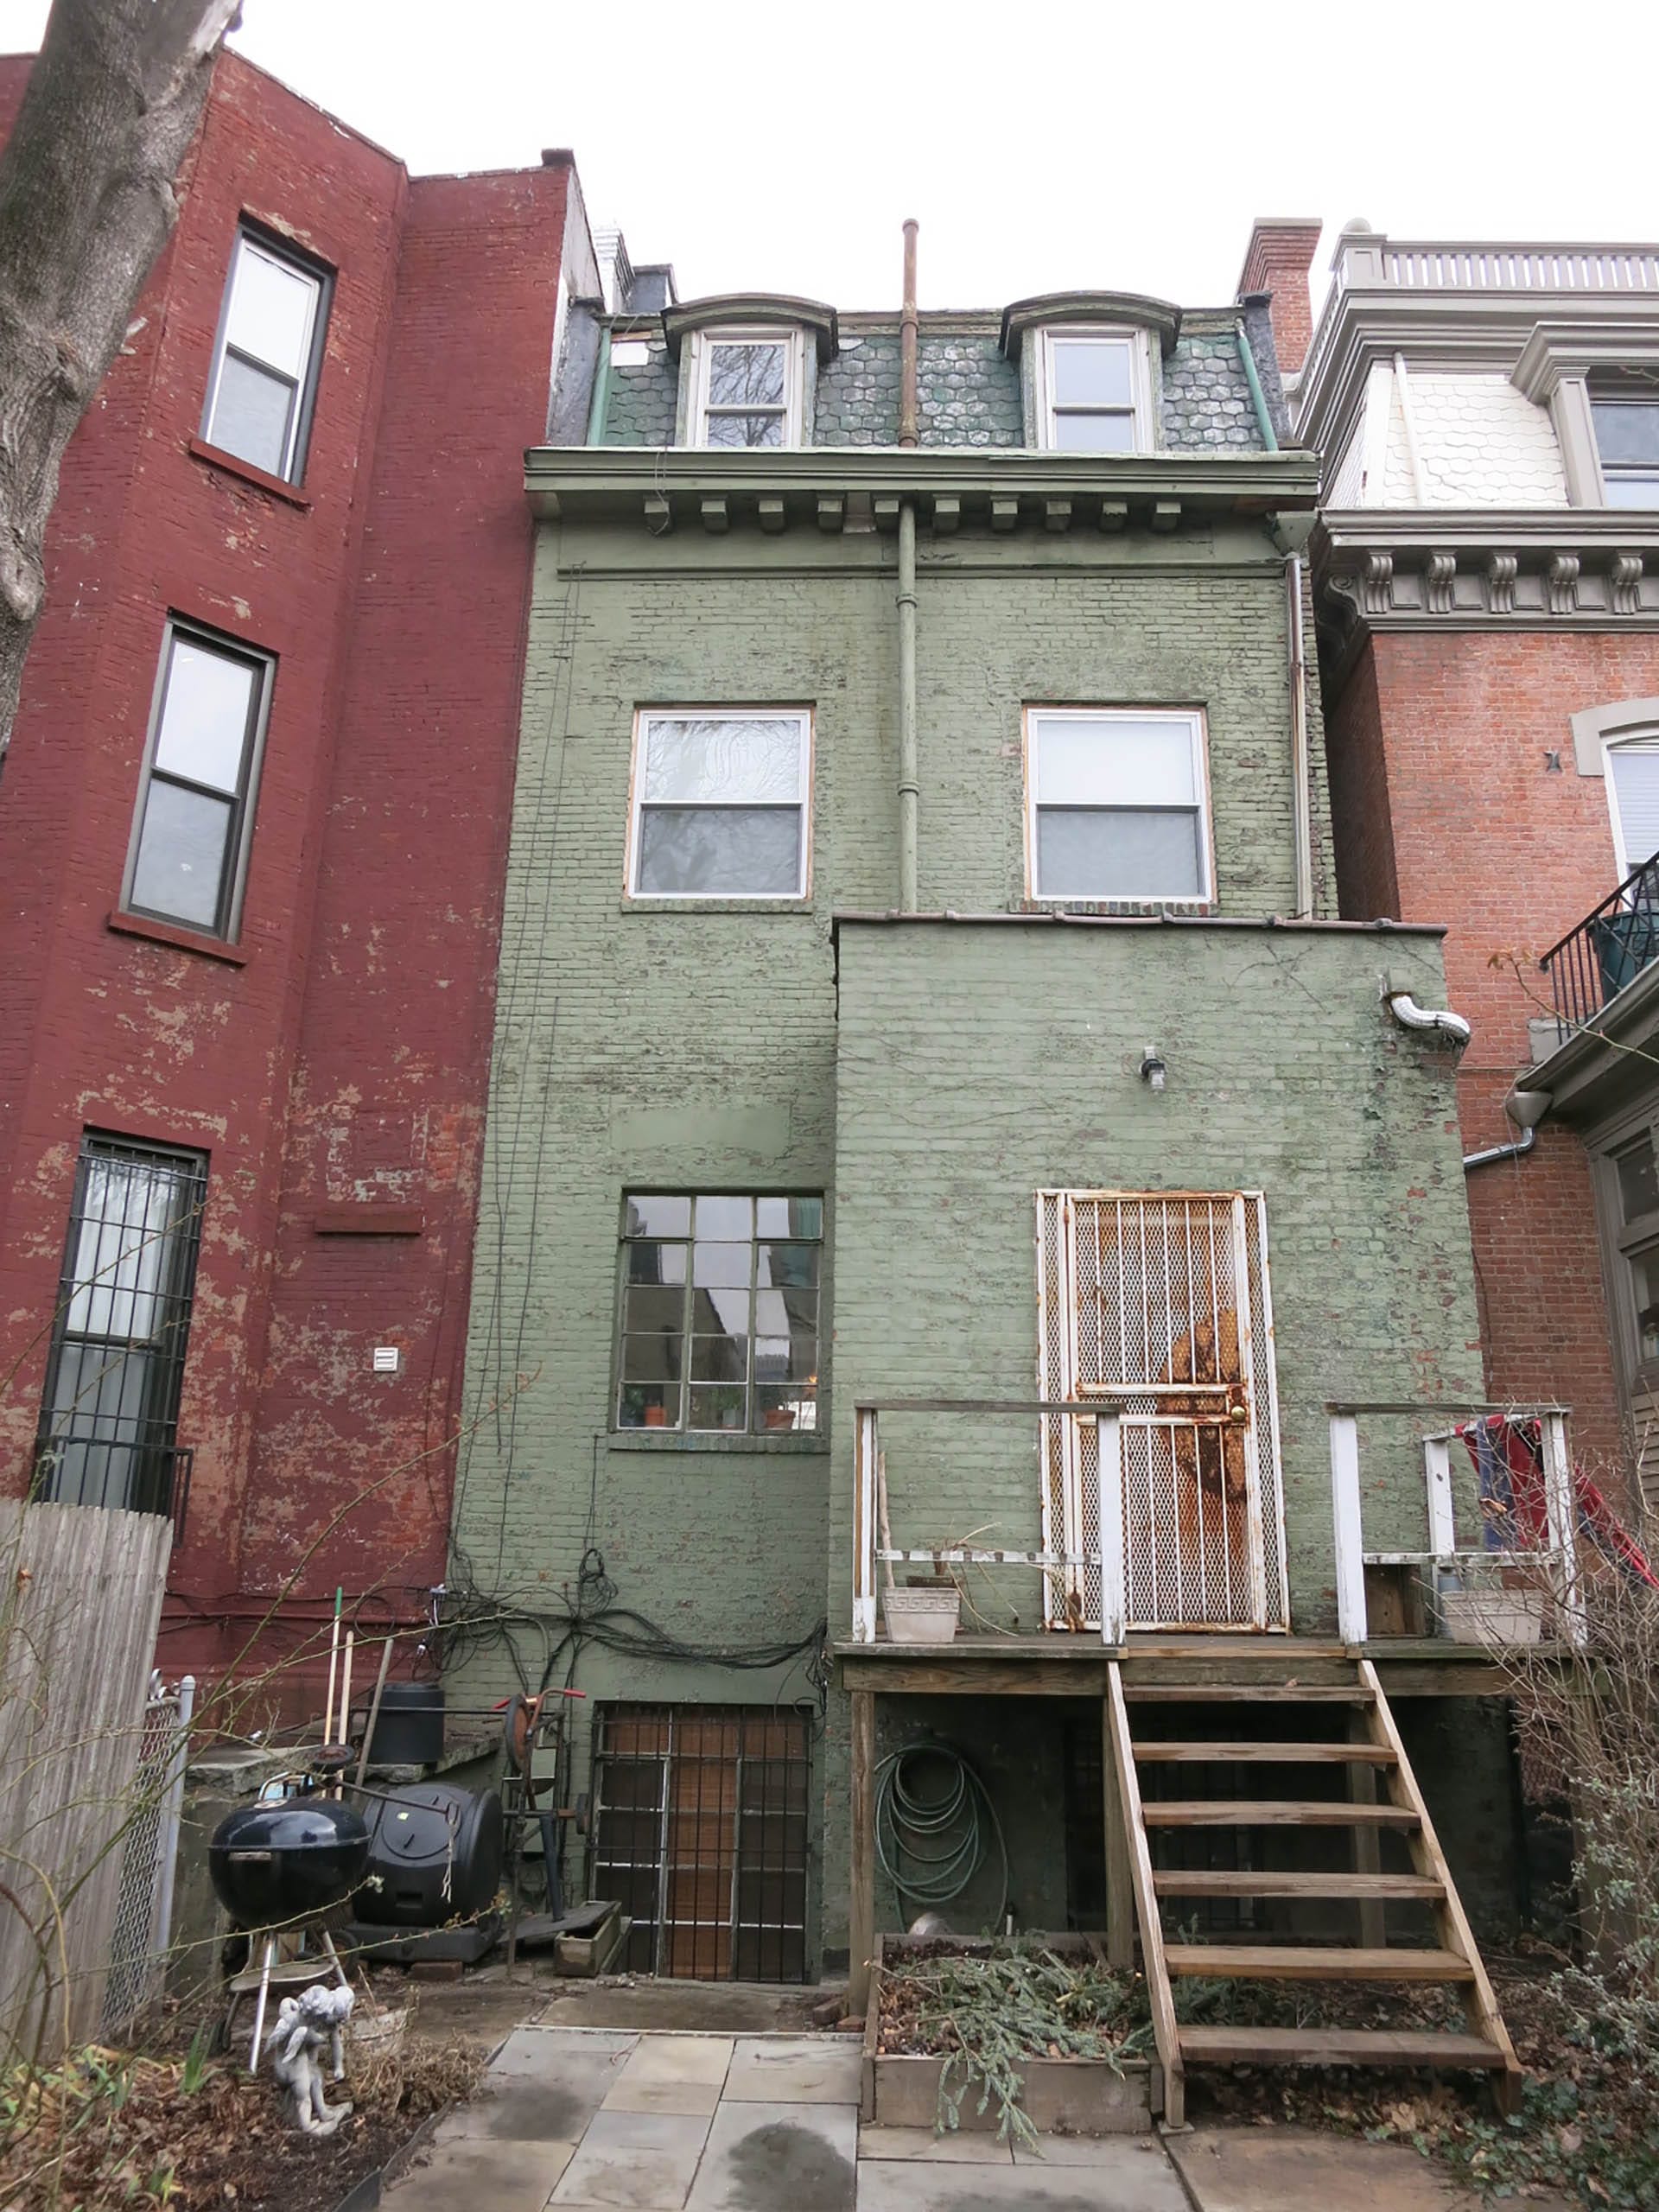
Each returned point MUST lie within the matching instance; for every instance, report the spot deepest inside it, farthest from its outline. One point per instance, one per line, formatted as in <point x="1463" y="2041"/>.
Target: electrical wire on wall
<point x="539" y="1635"/>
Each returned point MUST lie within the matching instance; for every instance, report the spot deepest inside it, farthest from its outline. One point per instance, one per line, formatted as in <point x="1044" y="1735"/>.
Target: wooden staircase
<point x="1383" y="1796"/>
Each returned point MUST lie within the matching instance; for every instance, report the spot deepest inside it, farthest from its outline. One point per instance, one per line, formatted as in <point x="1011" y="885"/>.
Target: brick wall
<point x="390" y="593"/>
<point x="1439" y="754"/>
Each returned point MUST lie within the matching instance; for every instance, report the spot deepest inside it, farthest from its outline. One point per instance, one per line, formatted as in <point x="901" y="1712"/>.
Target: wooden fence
<point x="81" y="1599"/>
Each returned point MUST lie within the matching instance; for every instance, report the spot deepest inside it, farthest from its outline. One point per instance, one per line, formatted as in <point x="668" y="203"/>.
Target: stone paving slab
<point x="505" y="2177"/>
<point x="780" y="2157"/>
<point x="1119" y="2177"/>
<point x="672" y="2074"/>
<point x="644" y="2160"/>
<point x="1298" y="2169"/>
<point x="795" y="2070"/>
<point x="1109" y="2153"/>
<point x="542" y="2087"/>
<point x="970" y="2146"/>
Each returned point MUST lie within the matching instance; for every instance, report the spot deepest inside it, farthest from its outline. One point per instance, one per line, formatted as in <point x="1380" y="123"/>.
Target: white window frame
<point x="1140" y="410"/>
<point x="250" y="241"/>
<point x="1612" y="473"/>
<point x="805" y="716"/>
<point x="1196" y="721"/>
<point x="793" y="410"/>
<point x="1631" y="740"/>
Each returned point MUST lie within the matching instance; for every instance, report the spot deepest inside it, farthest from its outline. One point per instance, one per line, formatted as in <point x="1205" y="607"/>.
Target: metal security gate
<point x="700" y="1831"/>
<point x="1160" y="1303"/>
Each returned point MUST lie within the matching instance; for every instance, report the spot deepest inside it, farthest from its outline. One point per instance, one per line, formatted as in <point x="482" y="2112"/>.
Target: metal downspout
<point x="1258" y="397"/>
<point x="909" y="787"/>
<point x="1301" y="806"/>
<point x="601" y="399"/>
<point x="1494" y="1152"/>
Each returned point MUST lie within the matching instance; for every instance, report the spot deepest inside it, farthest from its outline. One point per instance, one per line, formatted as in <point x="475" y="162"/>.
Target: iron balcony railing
<point x="1607" y="949"/>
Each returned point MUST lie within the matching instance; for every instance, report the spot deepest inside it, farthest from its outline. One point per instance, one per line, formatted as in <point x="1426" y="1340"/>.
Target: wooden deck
<point x="1060" y="1665"/>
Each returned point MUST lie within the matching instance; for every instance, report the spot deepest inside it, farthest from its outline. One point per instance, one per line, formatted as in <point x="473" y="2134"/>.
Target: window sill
<point x="648" y="905"/>
<point x="795" y="1443"/>
<point x="1188" y="908"/>
<point x="181" y="940"/>
<point x="278" y="486"/>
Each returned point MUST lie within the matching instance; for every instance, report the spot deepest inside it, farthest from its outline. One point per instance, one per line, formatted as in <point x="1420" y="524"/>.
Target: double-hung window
<point x="266" y="357"/>
<point x="1118" y="804"/>
<point x="720" y="1316"/>
<point x="722" y="804"/>
<point x="196" y="808"/>
<point x="110" y="1414"/>
<point x="1095" y="395"/>
<point x="1627" y="441"/>
<point x="1636" y="1179"/>
<point x="746" y="388"/>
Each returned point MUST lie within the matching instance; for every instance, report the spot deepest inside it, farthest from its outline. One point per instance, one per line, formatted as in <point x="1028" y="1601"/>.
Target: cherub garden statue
<point x="302" y="2024"/>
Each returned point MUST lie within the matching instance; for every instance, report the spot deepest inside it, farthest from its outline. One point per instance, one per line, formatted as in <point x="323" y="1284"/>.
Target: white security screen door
<point x="1159" y="1302"/>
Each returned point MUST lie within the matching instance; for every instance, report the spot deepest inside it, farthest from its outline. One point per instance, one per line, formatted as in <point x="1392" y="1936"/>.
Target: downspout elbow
<point x="1440" y="1019"/>
<point x="1494" y="1152"/>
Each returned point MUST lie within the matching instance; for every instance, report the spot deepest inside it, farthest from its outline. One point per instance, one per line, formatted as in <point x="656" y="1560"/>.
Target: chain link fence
<point x="144" y="1915"/>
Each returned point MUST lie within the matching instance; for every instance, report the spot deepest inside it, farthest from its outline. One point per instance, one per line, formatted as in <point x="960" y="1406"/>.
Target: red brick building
<point x="252" y="828"/>
<point x="1487" y="597"/>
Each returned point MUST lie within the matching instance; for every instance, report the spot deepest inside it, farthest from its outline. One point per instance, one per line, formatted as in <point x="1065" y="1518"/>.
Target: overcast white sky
<point x="780" y="146"/>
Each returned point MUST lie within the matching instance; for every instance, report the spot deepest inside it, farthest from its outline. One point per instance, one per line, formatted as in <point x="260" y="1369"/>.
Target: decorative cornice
<point x="1559" y="568"/>
<point x="745" y="308"/>
<point x="825" y="487"/>
<point x="1159" y="315"/>
<point x="1623" y="335"/>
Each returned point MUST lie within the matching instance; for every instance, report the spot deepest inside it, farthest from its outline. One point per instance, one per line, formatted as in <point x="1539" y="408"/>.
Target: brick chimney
<point x="1277" y="261"/>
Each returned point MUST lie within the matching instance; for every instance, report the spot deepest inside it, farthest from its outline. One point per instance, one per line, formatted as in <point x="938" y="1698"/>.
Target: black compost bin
<point x="293" y="1860"/>
<point x="415" y="1834"/>
<point x="408" y="1728"/>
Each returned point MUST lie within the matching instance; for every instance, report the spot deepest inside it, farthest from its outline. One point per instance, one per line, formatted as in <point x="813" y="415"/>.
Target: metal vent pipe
<point x="908" y="785"/>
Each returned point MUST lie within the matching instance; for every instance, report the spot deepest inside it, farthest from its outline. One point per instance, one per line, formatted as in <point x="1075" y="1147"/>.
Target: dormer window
<point x="746" y="388"/>
<point x="1627" y="445"/>
<point x="1095" y="393"/>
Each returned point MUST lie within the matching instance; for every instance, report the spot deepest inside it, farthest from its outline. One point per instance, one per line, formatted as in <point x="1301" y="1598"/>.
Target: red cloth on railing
<point x="1509" y="1461"/>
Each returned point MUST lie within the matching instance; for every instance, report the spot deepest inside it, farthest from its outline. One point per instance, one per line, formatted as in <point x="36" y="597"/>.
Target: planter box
<point x="1062" y="2096"/>
<point x="1496" y="1618"/>
<point x="922" y="1616"/>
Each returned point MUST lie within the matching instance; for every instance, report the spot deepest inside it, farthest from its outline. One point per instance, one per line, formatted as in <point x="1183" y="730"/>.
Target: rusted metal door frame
<point x="1250" y="1412"/>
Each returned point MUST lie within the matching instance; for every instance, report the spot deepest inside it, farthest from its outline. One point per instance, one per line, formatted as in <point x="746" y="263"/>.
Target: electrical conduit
<point x="909" y="786"/>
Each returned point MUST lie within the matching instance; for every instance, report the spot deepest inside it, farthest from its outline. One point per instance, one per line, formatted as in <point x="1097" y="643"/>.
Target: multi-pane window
<point x="720" y="805"/>
<point x="1627" y="439"/>
<point x="1118" y="805"/>
<point x="719" y="1313"/>
<point x="1094" y="392"/>
<point x="265" y="360"/>
<point x="109" y="1417"/>
<point x="196" y="808"/>
<point x="747" y="388"/>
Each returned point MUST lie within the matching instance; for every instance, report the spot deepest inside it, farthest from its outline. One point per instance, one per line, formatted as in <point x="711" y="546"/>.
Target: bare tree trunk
<point x="87" y="203"/>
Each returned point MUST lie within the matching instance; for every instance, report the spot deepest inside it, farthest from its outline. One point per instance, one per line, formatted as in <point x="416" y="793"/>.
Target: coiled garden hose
<point x="931" y="1846"/>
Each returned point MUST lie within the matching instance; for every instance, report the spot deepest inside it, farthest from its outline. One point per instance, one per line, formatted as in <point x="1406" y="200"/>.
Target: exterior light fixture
<point x="1153" y="1068"/>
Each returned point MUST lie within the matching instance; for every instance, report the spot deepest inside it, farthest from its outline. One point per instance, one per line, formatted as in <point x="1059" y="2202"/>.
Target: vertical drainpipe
<point x="1302" y="797"/>
<point x="601" y="388"/>
<point x="908" y="785"/>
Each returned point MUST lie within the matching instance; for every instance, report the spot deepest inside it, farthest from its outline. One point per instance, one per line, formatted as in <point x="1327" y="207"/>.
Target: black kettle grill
<point x="288" y="1861"/>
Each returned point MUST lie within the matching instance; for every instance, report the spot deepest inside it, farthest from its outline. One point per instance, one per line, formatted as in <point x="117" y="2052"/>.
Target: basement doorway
<point x="700" y="1828"/>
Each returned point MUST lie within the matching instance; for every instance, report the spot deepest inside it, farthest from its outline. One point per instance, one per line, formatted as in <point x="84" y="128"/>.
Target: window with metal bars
<point x="700" y="1831"/>
<point x="109" y="1418"/>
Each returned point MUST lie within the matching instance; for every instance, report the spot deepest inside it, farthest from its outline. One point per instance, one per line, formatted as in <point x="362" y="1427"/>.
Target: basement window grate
<point x="700" y="1831"/>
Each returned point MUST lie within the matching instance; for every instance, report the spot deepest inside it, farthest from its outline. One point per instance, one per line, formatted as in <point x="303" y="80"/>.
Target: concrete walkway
<point x="574" y="2119"/>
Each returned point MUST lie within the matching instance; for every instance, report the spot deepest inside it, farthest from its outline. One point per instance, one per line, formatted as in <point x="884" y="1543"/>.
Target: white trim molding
<point x="1596" y="727"/>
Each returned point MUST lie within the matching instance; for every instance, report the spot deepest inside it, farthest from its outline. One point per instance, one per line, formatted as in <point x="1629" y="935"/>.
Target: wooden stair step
<point x="1242" y="1693"/>
<point x="1337" y="2047"/>
<point x="1223" y="1754"/>
<point x="1228" y="1882"/>
<point x="1305" y="1962"/>
<point x="1228" y="1813"/>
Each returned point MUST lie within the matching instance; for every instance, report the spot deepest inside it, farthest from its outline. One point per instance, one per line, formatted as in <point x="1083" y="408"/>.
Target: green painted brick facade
<point x="927" y="1085"/>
